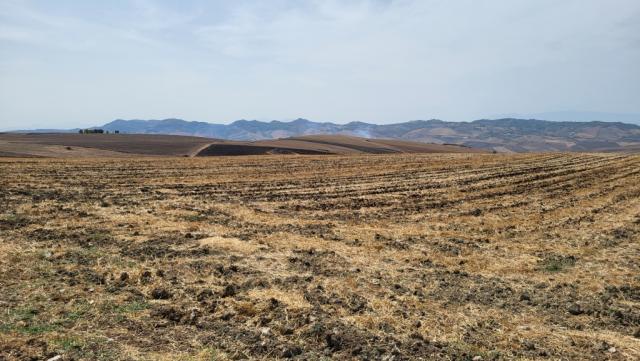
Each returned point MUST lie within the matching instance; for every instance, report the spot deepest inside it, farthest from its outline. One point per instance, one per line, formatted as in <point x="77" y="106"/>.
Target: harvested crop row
<point x="443" y="256"/>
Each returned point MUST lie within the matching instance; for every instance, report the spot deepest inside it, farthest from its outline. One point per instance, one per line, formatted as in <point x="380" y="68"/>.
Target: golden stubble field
<point x="452" y="257"/>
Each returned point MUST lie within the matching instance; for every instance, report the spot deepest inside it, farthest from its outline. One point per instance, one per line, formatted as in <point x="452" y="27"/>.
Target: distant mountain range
<point x="576" y="116"/>
<point x="502" y="135"/>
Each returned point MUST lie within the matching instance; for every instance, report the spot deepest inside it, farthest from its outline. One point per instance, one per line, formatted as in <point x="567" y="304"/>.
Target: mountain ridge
<point x="503" y="135"/>
<point x="573" y="115"/>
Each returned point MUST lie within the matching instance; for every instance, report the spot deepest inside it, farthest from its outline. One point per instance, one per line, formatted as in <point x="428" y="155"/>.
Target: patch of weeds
<point x="45" y="254"/>
<point x="81" y="256"/>
<point x="98" y="236"/>
<point x="27" y="327"/>
<point x="622" y="233"/>
<point x="36" y="329"/>
<point x="67" y="344"/>
<point x="23" y="320"/>
<point x="79" y="311"/>
<point x="94" y="348"/>
<point x="195" y="218"/>
<point x="209" y="354"/>
<point x="13" y="221"/>
<point x="556" y="263"/>
<point x="23" y="314"/>
<point x="609" y="243"/>
<point x="131" y="307"/>
<point x="119" y="312"/>
<point x="118" y="261"/>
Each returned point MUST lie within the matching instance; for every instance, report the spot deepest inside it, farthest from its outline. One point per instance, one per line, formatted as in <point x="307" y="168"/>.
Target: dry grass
<point x="367" y="257"/>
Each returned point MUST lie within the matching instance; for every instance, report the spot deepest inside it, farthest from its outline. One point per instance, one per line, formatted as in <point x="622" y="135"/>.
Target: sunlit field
<point x="394" y="257"/>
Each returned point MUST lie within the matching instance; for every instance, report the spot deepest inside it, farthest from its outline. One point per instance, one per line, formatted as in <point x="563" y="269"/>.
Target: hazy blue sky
<point x="80" y="63"/>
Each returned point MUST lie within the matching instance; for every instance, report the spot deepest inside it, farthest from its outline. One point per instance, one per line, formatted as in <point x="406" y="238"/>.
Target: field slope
<point x="61" y="145"/>
<point x="330" y="144"/>
<point x="393" y="256"/>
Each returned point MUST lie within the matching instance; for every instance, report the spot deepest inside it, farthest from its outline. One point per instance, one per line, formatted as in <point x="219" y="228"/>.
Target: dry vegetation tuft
<point x="452" y="257"/>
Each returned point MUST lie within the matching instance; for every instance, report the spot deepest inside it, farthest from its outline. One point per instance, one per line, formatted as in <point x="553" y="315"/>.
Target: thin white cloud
<point x="370" y="60"/>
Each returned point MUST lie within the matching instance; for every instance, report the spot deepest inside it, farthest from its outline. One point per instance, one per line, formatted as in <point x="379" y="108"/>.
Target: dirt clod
<point x="160" y="294"/>
<point x="229" y="291"/>
<point x="575" y="309"/>
<point x="291" y="351"/>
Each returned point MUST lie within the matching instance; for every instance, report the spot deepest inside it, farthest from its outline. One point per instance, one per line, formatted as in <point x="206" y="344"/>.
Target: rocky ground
<point x="394" y="257"/>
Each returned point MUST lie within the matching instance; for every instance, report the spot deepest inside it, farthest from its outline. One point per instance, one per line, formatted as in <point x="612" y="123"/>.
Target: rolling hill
<point x="329" y="144"/>
<point x="503" y="135"/>
<point x="128" y="145"/>
<point x="89" y="145"/>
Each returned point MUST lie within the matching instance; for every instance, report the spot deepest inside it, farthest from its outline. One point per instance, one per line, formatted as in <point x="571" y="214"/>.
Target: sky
<point x="75" y="63"/>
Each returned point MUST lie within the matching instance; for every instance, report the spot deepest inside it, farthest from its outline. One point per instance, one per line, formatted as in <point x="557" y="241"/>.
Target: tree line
<point x="96" y="131"/>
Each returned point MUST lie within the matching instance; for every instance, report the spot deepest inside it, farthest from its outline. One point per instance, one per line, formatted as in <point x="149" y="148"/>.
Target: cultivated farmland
<point x="64" y="145"/>
<point x="394" y="257"/>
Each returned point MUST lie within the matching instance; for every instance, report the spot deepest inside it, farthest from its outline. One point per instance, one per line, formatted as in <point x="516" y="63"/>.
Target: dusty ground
<point x="452" y="257"/>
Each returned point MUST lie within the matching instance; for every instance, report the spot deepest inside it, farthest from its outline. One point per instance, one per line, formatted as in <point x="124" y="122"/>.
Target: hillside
<point x="329" y="144"/>
<point x="504" y="135"/>
<point x="127" y="145"/>
<point x="89" y="145"/>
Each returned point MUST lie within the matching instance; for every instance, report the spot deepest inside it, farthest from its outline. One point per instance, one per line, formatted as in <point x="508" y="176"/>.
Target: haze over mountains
<point x="503" y="135"/>
<point x="575" y="116"/>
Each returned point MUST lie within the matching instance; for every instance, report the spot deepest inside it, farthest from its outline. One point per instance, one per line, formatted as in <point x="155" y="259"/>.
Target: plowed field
<point x="393" y="257"/>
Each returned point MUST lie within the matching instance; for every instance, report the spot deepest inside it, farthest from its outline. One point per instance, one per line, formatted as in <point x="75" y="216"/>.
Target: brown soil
<point x="112" y="145"/>
<point x="128" y="145"/>
<point x="329" y="144"/>
<point x="390" y="257"/>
